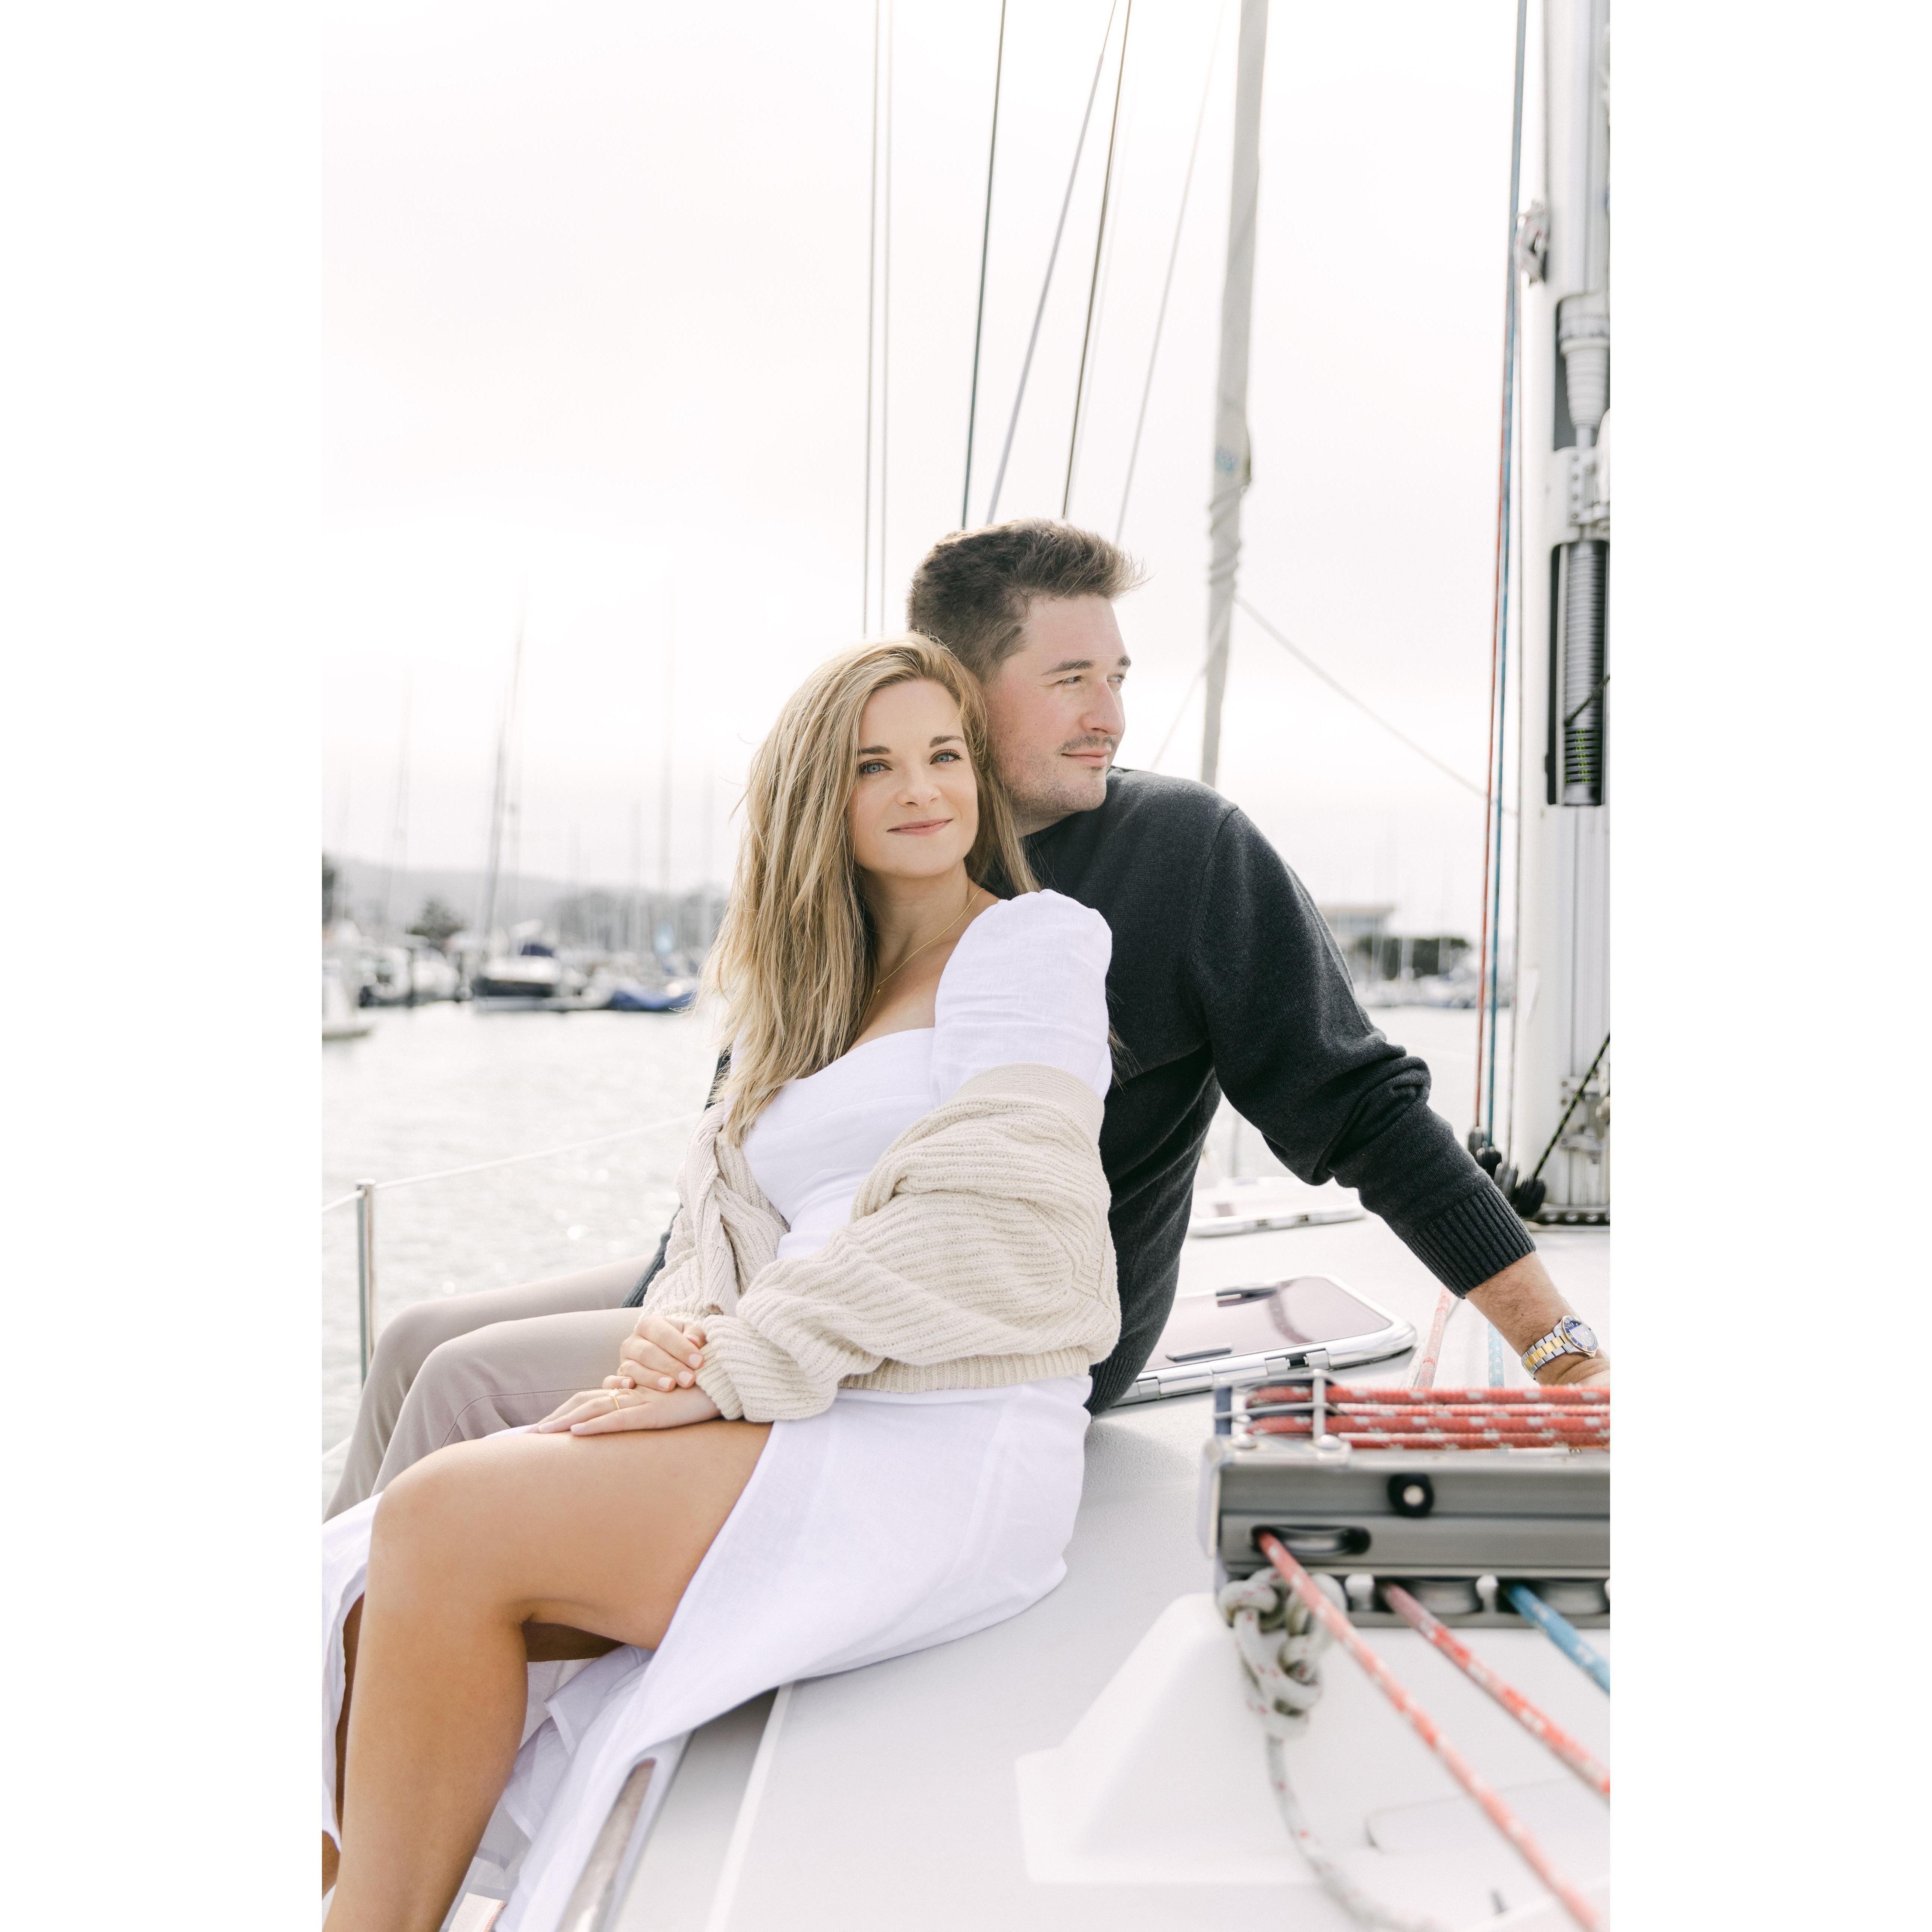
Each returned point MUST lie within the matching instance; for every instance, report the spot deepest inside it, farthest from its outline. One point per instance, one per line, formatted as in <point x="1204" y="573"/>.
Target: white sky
<point x="596" y="333"/>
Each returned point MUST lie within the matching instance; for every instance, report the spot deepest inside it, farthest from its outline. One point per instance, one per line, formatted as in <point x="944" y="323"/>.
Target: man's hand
<point x="608" y="1412"/>
<point x="1523" y="1304"/>
<point x="659" y="1354"/>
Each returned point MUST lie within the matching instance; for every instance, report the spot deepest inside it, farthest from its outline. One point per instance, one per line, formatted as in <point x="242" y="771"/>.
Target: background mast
<point x="1231" y="466"/>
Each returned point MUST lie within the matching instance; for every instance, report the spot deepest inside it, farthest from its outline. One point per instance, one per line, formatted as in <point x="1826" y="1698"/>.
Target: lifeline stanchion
<point x="1424" y="1376"/>
<point x="1562" y="1633"/>
<point x="365" y="1274"/>
<point x="1425" y="1727"/>
<point x="1559" y="1742"/>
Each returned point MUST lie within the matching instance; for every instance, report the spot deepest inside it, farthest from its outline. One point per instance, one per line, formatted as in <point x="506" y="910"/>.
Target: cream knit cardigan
<point x="977" y="1256"/>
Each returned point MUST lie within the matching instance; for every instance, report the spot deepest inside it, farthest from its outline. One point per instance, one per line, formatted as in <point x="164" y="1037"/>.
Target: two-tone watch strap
<point x="1560" y="1341"/>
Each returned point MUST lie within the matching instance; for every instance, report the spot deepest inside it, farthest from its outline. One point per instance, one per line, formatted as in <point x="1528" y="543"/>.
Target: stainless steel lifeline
<point x="364" y="1199"/>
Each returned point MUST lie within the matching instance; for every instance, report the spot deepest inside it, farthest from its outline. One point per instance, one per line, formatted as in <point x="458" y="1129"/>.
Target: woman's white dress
<point x="886" y="1523"/>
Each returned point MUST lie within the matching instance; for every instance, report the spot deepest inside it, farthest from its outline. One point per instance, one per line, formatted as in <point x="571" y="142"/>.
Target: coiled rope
<point x="1280" y="1642"/>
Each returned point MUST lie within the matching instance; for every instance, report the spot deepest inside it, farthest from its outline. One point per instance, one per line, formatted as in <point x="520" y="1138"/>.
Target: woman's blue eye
<point x="870" y="766"/>
<point x="953" y="755"/>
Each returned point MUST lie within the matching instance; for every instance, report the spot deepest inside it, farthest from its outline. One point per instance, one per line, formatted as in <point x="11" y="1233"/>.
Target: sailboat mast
<point x="1231" y="466"/>
<point x="664" y="767"/>
<point x="1561" y="1134"/>
<point x="399" y="817"/>
<point x="499" y="791"/>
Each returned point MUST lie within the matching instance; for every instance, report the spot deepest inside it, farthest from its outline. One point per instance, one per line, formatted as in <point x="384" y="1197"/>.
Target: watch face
<point x="1581" y="1336"/>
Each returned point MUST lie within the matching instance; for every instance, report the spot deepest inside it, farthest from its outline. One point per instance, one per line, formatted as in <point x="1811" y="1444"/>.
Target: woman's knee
<point x="470" y="1523"/>
<point x="431" y="1508"/>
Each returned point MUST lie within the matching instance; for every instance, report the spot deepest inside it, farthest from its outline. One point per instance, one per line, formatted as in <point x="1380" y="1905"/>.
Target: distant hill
<point x="359" y="894"/>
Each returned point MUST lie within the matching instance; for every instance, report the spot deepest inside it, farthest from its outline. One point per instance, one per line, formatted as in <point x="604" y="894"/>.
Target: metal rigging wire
<point x="1046" y="282"/>
<point x="1181" y="712"/>
<point x="513" y="1160"/>
<point x="885" y="321"/>
<point x="1093" y="284"/>
<point x="1516" y="907"/>
<point x="1491" y="962"/>
<point x="1334" y="684"/>
<point x="1167" y="287"/>
<point x="985" y="244"/>
<point x="871" y="314"/>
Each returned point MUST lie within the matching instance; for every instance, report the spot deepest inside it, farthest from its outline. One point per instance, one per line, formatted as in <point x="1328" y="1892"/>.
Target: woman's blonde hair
<point x="794" y="960"/>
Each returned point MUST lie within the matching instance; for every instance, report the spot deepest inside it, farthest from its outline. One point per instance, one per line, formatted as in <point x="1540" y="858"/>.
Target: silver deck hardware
<point x="596" y="1890"/>
<point x="1454" y="1526"/>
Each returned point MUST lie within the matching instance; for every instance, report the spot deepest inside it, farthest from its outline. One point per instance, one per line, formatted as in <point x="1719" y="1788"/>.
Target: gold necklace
<point x="881" y="987"/>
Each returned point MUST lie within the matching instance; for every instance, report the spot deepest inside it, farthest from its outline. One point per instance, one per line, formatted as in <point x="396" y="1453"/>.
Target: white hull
<point x="939" y="1791"/>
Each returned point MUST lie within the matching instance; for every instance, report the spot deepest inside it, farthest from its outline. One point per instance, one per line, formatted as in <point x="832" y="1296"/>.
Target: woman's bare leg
<point x="599" y="1534"/>
<point x="543" y="1643"/>
<point x="352" y="1630"/>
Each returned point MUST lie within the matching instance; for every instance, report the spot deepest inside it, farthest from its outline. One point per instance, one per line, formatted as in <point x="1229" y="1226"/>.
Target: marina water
<point x="446" y="1086"/>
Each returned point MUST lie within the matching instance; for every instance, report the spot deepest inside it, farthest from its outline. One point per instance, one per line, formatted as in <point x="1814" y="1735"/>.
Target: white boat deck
<point x="888" y="1797"/>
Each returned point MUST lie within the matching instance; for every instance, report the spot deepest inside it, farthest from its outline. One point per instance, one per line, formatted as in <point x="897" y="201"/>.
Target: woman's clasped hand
<point x="656" y="1387"/>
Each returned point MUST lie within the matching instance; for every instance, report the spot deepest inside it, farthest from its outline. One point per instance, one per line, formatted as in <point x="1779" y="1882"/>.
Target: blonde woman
<point x="856" y="1427"/>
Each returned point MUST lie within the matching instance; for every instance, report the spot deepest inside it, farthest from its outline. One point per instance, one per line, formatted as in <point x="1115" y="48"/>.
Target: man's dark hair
<point x="973" y="589"/>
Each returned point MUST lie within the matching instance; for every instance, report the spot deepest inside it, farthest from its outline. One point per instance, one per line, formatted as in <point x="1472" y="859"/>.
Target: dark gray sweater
<point x="1226" y="979"/>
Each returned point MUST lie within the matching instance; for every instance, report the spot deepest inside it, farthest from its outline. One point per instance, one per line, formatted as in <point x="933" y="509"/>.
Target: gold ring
<point x="615" y="1404"/>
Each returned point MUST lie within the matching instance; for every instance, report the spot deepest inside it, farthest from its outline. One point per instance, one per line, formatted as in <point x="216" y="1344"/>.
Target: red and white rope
<point x="1556" y="1739"/>
<point x="1425" y="1418"/>
<point x="1425" y="1727"/>
<point x="1563" y="1395"/>
<point x="1424" y="1374"/>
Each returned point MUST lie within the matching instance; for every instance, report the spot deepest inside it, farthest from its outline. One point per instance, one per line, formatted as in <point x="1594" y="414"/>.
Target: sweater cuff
<point x="712" y="1379"/>
<point x="1478" y="1236"/>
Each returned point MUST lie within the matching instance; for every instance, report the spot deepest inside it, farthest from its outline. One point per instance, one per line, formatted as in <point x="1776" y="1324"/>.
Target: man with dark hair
<point x="1225" y="979"/>
<point x="973" y="589"/>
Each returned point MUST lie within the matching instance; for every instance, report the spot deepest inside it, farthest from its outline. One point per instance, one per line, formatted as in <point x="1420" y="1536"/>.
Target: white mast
<point x="1231" y="466"/>
<point x="664" y="938"/>
<point x="1562" y="1019"/>
<point x="397" y="855"/>
<point x="499" y="793"/>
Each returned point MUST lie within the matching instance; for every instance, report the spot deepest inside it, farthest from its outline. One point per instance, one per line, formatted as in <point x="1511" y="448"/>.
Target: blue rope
<point x="1498" y="1359"/>
<point x="1561" y="1633"/>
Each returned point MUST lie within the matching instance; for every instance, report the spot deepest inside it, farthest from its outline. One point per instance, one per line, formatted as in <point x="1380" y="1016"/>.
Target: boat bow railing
<point x="363" y="1198"/>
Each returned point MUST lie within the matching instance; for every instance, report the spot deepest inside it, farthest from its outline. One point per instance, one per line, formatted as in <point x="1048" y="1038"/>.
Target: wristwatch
<point x="1569" y="1337"/>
